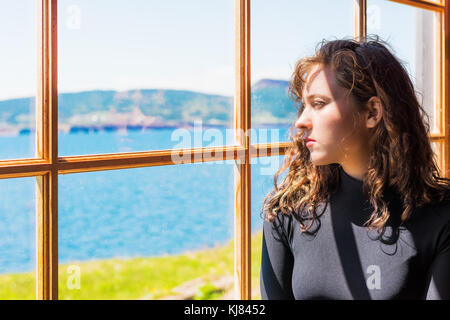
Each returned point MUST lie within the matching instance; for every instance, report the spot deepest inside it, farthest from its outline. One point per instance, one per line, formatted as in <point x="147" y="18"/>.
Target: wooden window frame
<point x="47" y="165"/>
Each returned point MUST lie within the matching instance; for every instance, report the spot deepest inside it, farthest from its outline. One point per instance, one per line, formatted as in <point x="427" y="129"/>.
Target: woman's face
<point x="327" y="118"/>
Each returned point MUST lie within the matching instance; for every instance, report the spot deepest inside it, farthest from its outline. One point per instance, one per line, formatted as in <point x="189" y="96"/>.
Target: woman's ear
<point x="374" y="113"/>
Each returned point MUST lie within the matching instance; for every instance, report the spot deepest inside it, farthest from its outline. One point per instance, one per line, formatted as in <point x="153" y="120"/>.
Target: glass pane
<point x="18" y="239"/>
<point x="411" y="33"/>
<point x="149" y="233"/>
<point x="132" y="71"/>
<point x="263" y="170"/>
<point x="18" y="80"/>
<point x="438" y="149"/>
<point x="294" y="30"/>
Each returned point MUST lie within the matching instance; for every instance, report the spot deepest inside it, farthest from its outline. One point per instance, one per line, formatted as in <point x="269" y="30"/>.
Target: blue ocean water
<point x="128" y="213"/>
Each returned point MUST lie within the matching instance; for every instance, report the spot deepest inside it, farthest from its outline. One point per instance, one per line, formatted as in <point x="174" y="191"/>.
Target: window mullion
<point x="360" y="18"/>
<point x="46" y="149"/>
<point x="446" y="90"/>
<point x="242" y="176"/>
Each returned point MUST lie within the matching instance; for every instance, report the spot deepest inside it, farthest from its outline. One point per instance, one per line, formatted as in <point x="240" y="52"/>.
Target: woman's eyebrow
<point x="315" y="95"/>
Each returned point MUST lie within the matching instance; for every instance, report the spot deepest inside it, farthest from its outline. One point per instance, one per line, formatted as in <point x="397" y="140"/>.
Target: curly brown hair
<point x="400" y="157"/>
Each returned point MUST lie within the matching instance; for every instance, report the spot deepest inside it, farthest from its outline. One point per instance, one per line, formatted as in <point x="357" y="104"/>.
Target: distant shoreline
<point x="145" y="109"/>
<point x="113" y="128"/>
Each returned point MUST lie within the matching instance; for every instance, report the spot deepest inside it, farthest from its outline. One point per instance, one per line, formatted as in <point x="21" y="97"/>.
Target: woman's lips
<point x="309" y="142"/>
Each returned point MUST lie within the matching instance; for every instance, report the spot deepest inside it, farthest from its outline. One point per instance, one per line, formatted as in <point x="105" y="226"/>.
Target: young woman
<point x="362" y="212"/>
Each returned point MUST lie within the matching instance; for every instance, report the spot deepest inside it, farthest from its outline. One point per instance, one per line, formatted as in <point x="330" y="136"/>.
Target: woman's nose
<point x="304" y="121"/>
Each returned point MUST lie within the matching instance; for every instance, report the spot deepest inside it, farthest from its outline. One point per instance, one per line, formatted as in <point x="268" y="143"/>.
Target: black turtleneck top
<point x="340" y="259"/>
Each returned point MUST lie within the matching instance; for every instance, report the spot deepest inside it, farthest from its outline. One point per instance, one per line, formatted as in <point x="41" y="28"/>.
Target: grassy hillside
<point x="152" y="278"/>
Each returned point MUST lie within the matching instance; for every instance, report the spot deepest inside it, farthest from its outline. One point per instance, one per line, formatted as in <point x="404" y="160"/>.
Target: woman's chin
<point x="319" y="161"/>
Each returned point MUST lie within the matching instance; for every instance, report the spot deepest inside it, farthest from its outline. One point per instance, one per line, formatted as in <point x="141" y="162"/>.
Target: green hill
<point x="154" y="107"/>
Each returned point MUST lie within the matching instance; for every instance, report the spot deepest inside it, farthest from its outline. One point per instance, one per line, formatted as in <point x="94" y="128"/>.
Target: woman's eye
<point x="318" y="103"/>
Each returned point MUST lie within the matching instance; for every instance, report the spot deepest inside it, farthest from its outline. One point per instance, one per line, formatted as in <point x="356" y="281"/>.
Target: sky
<point x="178" y="44"/>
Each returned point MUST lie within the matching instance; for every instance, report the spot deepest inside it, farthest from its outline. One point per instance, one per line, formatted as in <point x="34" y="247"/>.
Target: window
<point x="59" y="161"/>
<point x="142" y="233"/>
<point x="18" y="79"/>
<point x="18" y="241"/>
<point x="143" y="68"/>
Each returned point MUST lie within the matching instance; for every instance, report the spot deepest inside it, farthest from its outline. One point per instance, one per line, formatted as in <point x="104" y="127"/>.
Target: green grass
<point x="135" y="278"/>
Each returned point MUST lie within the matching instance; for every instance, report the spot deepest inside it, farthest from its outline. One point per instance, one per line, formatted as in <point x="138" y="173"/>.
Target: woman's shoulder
<point x="440" y="215"/>
<point x="433" y="217"/>
<point x="280" y="222"/>
<point x="428" y="227"/>
<point x="439" y="211"/>
<point x="279" y="218"/>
